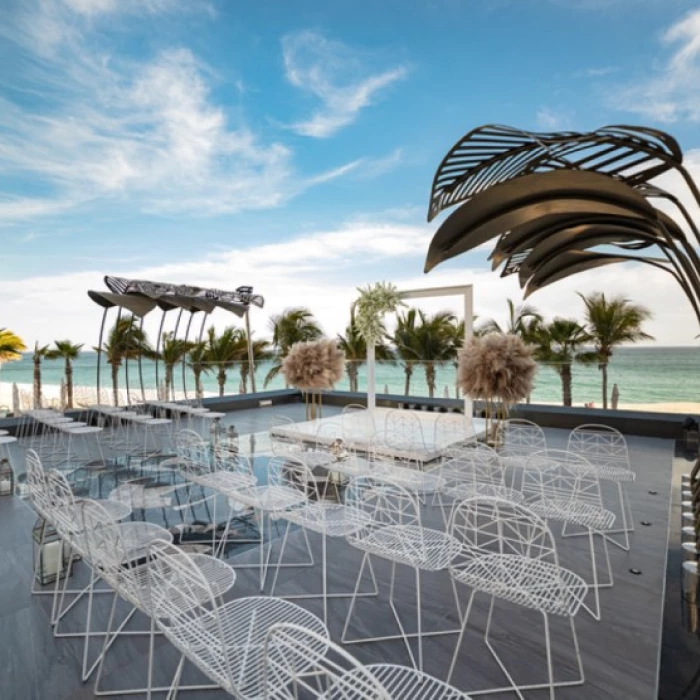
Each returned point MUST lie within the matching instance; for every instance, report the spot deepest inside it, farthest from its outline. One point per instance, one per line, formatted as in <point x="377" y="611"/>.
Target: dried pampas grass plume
<point x="496" y="366"/>
<point x="314" y="365"/>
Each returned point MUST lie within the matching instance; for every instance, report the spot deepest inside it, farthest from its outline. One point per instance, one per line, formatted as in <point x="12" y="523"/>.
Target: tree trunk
<point x="351" y="369"/>
<point x="430" y="378"/>
<point x="199" y="393"/>
<point x="69" y="384"/>
<point x="408" y="370"/>
<point x="169" y="382"/>
<point x="115" y="383"/>
<point x="37" y="383"/>
<point x="221" y="378"/>
<point x="244" y="376"/>
<point x="566" y="384"/>
<point x="604" y="373"/>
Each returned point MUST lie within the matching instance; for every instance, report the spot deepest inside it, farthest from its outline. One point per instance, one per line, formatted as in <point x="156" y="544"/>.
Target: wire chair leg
<point x="175" y="687"/>
<point x="463" y="629"/>
<point x="351" y="609"/>
<point x="548" y="646"/>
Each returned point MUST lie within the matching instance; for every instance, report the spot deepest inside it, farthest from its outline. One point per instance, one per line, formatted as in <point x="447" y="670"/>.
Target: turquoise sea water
<point x="643" y="375"/>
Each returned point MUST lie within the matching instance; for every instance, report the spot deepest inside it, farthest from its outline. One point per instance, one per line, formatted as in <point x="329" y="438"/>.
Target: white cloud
<point x="552" y="120"/>
<point x="144" y="132"/>
<point x="322" y="270"/>
<point x="337" y="75"/>
<point x="672" y="93"/>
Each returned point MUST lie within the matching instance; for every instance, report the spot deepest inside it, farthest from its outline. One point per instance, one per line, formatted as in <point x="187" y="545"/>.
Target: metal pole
<point x="143" y="391"/>
<point x="184" y="355"/>
<point x="99" y="354"/>
<point x="251" y="358"/>
<point x="468" y="334"/>
<point x="177" y="325"/>
<point x="160" y="335"/>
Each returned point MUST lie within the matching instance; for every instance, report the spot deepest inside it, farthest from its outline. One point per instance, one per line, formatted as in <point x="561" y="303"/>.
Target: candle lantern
<point x="7" y="478"/>
<point x="50" y="554"/>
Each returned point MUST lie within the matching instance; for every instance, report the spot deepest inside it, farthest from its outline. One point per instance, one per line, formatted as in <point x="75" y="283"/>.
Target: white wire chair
<point x="520" y="438"/>
<point x="561" y="486"/>
<point x="328" y="520"/>
<point x="402" y="468"/>
<point x="393" y="530"/>
<point x="226" y="641"/>
<point x="475" y="469"/>
<point x="120" y="553"/>
<point x="357" y="423"/>
<point x="336" y="675"/>
<point x="451" y="429"/>
<point x="286" y="487"/>
<point x="508" y="552"/>
<point x="403" y="432"/>
<point x="606" y="449"/>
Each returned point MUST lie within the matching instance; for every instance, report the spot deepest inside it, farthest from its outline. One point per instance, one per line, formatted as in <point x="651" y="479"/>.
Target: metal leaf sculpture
<point x="563" y="203"/>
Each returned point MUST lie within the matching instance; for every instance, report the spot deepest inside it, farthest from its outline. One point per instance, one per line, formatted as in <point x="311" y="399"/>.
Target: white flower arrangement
<point x="375" y="301"/>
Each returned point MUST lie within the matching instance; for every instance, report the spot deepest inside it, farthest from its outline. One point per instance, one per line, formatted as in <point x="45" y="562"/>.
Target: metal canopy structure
<point x="140" y="297"/>
<point x="562" y="203"/>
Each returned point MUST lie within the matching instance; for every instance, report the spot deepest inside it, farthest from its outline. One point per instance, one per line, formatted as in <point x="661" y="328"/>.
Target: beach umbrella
<point x="16" y="409"/>
<point x="386" y="388"/>
<point x="447" y="392"/>
<point x="615" y="397"/>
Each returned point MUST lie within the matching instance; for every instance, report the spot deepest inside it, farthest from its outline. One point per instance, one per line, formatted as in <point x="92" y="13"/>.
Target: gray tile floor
<point x="620" y="653"/>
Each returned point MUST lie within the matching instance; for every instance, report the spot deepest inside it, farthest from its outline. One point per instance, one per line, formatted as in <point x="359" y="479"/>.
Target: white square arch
<point x="466" y="292"/>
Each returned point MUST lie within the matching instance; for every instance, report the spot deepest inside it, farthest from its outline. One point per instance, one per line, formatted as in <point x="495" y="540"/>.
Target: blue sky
<point x="292" y="145"/>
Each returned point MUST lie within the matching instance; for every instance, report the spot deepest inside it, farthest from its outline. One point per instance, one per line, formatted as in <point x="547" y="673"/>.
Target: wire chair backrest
<point x="36" y="483"/>
<point x="290" y="471"/>
<point x="233" y="462"/>
<point x="109" y="552"/>
<point x="282" y="444"/>
<point x="451" y="429"/>
<point x="300" y="662"/>
<point x="191" y="447"/>
<point x="61" y="509"/>
<point x="486" y="526"/>
<point x="403" y="430"/>
<point x="560" y="475"/>
<point x="185" y="607"/>
<point x="522" y="437"/>
<point x="357" y="422"/>
<point x="379" y="502"/>
<point x="474" y="463"/>
<point x="601" y="445"/>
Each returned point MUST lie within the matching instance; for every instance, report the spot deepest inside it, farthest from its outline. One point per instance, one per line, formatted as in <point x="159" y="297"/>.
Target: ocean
<point x="643" y="375"/>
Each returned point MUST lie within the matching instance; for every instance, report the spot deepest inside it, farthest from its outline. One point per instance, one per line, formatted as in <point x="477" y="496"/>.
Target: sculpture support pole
<point x="99" y="354"/>
<point x="371" y="393"/>
<point x="468" y="334"/>
<point x="251" y="357"/>
<point x="184" y="356"/>
<point x="143" y="391"/>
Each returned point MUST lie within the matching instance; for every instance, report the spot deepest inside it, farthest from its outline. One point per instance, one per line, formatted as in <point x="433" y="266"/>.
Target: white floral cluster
<point x="375" y="301"/>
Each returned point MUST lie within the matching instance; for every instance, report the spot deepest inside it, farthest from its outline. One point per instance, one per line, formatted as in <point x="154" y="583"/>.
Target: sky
<point x="291" y="146"/>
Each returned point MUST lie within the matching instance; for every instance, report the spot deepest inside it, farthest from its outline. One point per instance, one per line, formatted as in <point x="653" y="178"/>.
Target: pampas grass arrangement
<point x="497" y="368"/>
<point x="313" y="366"/>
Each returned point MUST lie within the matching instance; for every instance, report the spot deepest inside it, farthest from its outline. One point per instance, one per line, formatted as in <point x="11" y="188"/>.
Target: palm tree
<point x="261" y="351"/>
<point x="558" y="343"/>
<point x="522" y="320"/>
<point x="612" y="322"/>
<point x="294" y="325"/>
<point x="69" y="352"/>
<point x="125" y="341"/>
<point x="173" y="350"/>
<point x="404" y="339"/>
<point x="430" y="341"/>
<point x="11" y="346"/>
<point x="40" y="353"/>
<point x="355" y="348"/>
<point x="198" y="363"/>
<point x="223" y="351"/>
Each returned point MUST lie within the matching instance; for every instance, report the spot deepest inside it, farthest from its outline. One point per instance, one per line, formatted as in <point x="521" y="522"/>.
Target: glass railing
<point x="648" y="379"/>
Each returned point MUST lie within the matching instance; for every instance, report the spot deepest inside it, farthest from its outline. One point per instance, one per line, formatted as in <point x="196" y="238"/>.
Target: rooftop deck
<point x="620" y="653"/>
